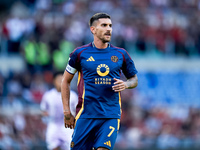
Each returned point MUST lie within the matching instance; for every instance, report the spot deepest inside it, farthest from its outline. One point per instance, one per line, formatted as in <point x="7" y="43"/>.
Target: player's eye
<point x="110" y="25"/>
<point x="104" y="25"/>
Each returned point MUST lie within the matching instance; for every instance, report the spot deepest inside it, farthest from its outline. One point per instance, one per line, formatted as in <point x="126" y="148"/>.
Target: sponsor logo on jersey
<point x="104" y="73"/>
<point x="114" y="59"/>
<point x="102" y="81"/>
<point x="90" y="59"/>
<point x="108" y="143"/>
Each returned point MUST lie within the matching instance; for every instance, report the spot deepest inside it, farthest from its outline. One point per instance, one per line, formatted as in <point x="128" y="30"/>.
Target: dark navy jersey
<point x="96" y="69"/>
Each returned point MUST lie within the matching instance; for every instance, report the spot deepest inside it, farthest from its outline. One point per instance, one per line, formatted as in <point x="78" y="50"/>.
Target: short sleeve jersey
<point x="97" y="69"/>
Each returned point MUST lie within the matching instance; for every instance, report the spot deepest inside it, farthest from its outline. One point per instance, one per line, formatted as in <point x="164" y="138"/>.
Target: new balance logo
<point x="108" y="143"/>
<point x="90" y="59"/>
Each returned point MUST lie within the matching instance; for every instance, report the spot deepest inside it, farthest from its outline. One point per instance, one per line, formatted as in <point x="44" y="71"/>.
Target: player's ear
<point x="92" y="29"/>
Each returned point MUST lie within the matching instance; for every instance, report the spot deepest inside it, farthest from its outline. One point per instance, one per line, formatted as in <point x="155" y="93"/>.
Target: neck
<point x="99" y="44"/>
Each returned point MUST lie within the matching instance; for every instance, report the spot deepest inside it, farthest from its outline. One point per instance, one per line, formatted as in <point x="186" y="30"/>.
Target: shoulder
<point x="119" y="49"/>
<point x="81" y="48"/>
<point x="123" y="52"/>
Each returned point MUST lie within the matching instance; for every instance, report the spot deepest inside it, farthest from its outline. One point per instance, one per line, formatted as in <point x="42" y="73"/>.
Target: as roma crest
<point x="114" y="59"/>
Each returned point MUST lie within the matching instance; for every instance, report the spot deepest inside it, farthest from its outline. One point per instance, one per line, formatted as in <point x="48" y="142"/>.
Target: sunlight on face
<point x="103" y="29"/>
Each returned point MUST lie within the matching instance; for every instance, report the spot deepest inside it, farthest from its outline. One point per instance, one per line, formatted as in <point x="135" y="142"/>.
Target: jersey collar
<point x="98" y="48"/>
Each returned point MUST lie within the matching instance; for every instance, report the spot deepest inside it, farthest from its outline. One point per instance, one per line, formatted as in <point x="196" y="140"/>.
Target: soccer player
<point x="57" y="136"/>
<point x="99" y="65"/>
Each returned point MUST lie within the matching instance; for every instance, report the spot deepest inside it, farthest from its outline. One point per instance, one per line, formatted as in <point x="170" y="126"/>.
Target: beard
<point x="104" y="36"/>
<point x="104" y="40"/>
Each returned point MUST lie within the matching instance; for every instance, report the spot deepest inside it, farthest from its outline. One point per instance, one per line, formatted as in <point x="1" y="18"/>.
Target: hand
<point x="119" y="85"/>
<point x="69" y="121"/>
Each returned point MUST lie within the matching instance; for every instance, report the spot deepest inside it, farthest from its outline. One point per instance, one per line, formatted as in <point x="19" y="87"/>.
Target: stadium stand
<point x="162" y="37"/>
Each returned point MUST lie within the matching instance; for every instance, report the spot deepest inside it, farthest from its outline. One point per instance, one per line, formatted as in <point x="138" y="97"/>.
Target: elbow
<point x="136" y="83"/>
<point x="64" y="83"/>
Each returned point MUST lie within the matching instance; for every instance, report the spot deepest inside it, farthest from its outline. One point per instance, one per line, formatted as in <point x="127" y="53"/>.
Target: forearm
<point x="132" y="82"/>
<point x="65" y="92"/>
<point x="120" y="85"/>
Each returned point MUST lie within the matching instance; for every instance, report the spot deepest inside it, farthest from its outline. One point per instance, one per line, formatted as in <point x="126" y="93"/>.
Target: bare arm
<point x="132" y="82"/>
<point x="65" y="92"/>
<point x="120" y="85"/>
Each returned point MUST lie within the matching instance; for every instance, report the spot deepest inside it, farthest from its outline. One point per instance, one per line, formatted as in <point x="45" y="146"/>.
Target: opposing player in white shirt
<point x="57" y="136"/>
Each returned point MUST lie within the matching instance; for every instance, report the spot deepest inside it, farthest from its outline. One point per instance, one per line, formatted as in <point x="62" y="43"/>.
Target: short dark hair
<point x="97" y="16"/>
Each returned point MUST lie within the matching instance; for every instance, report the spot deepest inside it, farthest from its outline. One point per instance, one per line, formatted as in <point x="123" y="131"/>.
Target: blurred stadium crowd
<point x="162" y="112"/>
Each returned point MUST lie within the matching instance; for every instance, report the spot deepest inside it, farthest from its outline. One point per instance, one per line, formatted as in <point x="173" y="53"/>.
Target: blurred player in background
<point x="57" y="136"/>
<point x="99" y="65"/>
